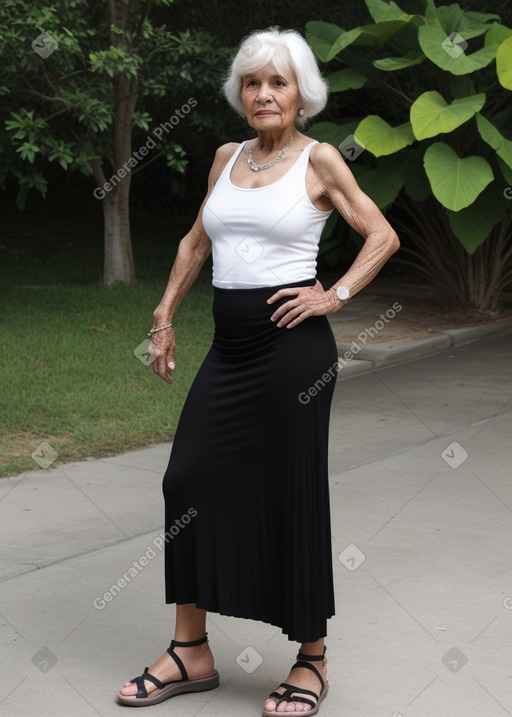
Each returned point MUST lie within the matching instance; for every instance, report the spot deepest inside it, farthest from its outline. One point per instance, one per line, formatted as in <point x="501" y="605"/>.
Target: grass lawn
<point x="69" y="373"/>
<point x="70" y="376"/>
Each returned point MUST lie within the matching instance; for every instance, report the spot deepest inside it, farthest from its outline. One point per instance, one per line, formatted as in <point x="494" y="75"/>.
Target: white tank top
<point x="265" y="236"/>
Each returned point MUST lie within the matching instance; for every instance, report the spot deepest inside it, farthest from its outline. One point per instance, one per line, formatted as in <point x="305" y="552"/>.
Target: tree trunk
<point x="118" y="256"/>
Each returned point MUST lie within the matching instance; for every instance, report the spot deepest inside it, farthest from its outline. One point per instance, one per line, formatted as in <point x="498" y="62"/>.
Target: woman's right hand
<point x="161" y="349"/>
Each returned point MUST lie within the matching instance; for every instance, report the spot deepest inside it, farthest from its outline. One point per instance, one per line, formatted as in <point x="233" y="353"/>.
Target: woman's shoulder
<point x="222" y="157"/>
<point x="328" y="163"/>
<point x="324" y="154"/>
<point x="226" y="151"/>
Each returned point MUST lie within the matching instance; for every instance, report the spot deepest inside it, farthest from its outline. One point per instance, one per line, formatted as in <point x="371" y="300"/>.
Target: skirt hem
<point x="294" y="638"/>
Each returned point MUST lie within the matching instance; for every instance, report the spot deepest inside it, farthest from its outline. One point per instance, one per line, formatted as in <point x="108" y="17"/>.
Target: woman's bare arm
<point x="336" y="182"/>
<point x="193" y="250"/>
<point x="363" y="215"/>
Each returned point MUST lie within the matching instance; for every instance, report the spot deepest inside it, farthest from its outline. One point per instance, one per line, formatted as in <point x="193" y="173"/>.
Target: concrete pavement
<point x="422" y="525"/>
<point x="390" y="322"/>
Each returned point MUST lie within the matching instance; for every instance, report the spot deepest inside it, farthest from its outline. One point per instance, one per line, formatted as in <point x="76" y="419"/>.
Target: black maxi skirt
<point x="246" y="491"/>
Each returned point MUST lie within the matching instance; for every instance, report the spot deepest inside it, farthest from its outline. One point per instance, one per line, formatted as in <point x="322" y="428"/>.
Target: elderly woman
<point x="246" y="489"/>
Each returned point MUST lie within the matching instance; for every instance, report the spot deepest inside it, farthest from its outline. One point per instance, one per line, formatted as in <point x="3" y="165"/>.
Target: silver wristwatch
<point x="342" y="293"/>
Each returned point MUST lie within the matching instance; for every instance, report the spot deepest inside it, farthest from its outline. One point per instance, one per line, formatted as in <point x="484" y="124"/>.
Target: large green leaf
<point x="382" y="184"/>
<point x="475" y="23"/>
<point x="383" y="11"/>
<point x="447" y="54"/>
<point x="432" y="115"/>
<point x="506" y="171"/>
<point x="390" y="64"/>
<point x="380" y="138"/>
<point x="332" y="133"/>
<point x="452" y="18"/>
<point x="455" y="182"/>
<point x="448" y="17"/>
<point x="473" y="224"/>
<point x="495" y="139"/>
<point x="328" y="39"/>
<point x="379" y="32"/>
<point x="504" y="63"/>
<point x="497" y="34"/>
<point x="346" y="79"/>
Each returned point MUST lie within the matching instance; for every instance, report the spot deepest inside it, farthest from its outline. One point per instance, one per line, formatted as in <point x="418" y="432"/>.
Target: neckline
<point x="265" y="186"/>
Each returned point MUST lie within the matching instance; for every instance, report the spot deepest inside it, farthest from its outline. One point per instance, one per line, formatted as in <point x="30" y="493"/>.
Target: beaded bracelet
<point x="160" y="328"/>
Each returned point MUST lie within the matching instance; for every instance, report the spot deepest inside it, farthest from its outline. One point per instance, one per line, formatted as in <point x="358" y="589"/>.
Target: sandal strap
<point x="292" y="694"/>
<point x="177" y="660"/>
<point x="312" y="658"/>
<point x="141" y="687"/>
<point x="175" y="643"/>
<point x="299" y="663"/>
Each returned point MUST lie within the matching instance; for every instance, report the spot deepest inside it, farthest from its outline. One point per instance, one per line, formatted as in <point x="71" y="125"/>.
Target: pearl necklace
<point x="256" y="167"/>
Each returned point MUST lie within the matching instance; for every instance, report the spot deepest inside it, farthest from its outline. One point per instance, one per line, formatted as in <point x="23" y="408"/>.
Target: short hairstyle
<point x="286" y="50"/>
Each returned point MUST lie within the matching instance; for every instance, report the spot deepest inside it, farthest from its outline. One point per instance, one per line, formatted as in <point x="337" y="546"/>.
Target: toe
<point x="129" y="689"/>
<point x="297" y="707"/>
<point x="270" y="706"/>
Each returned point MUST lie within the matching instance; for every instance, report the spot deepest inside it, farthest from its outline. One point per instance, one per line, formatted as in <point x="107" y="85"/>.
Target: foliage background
<point x="157" y="189"/>
<point x="70" y="376"/>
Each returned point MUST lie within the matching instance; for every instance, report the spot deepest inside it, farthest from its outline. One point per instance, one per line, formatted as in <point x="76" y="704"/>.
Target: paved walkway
<point x="422" y="527"/>
<point x="391" y="322"/>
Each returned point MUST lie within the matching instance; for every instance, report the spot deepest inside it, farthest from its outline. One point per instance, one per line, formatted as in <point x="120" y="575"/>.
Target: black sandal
<point x="170" y="689"/>
<point x="293" y="694"/>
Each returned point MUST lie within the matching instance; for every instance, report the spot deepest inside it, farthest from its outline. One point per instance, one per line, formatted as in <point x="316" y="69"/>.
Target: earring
<point x="301" y="112"/>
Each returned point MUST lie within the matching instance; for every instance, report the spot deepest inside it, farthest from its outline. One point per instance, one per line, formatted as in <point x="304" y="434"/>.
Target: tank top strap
<point x="227" y="169"/>
<point x="307" y="149"/>
<point x="303" y="160"/>
<point x="296" y="175"/>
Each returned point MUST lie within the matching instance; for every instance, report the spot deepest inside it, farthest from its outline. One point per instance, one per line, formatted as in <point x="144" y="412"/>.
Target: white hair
<point x="286" y="50"/>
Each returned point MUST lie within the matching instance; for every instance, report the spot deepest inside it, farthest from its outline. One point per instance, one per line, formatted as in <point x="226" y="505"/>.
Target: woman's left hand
<point x="308" y="301"/>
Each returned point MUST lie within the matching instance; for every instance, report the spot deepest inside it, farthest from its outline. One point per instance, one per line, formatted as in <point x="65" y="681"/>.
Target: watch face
<point x="342" y="292"/>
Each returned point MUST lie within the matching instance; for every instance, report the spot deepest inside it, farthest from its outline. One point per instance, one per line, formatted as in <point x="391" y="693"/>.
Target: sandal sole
<point x="313" y="711"/>
<point x="196" y="684"/>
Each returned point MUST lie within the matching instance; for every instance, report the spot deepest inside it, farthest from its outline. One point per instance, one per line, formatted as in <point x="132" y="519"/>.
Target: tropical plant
<point x="437" y="156"/>
<point x="98" y="87"/>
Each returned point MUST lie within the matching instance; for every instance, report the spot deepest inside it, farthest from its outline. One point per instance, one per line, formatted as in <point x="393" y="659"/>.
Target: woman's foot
<point x="198" y="661"/>
<point x="301" y="678"/>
